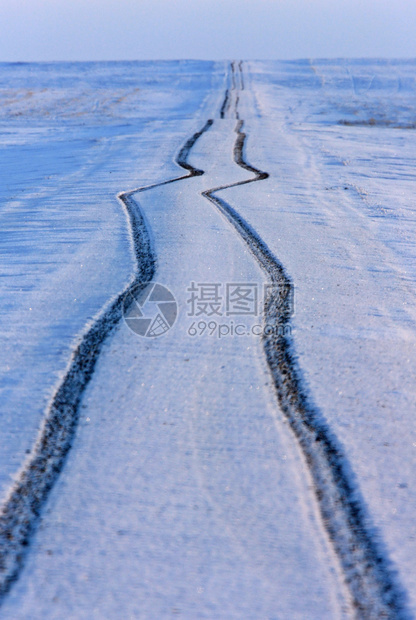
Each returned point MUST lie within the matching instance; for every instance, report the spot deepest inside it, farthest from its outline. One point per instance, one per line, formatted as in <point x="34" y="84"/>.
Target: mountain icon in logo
<point x="150" y="309"/>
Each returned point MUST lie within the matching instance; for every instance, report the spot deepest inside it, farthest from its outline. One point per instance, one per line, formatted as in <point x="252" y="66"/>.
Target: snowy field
<point x="258" y="459"/>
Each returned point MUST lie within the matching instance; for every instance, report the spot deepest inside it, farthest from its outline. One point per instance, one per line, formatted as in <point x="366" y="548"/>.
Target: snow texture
<point x="186" y="482"/>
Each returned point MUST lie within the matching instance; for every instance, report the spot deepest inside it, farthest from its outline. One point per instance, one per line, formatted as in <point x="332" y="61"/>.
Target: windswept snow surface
<point x="185" y="492"/>
<point x="72" y="137"/>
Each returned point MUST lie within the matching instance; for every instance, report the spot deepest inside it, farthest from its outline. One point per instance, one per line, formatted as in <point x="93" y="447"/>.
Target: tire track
<point x="372" y="583"/>
<point x="21" y="510"/>
<point x="233" y="92"/>
<point x="226" y="104"/>
<point x="374" y="590"/>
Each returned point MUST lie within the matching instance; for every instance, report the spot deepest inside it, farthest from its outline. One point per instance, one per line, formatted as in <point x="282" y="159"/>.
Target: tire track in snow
<point x="372" y="583"/>
<point x="232" y="92"/>
<point x="21" y="510"/>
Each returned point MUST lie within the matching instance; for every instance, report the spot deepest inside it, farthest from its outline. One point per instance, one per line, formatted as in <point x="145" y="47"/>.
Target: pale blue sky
<point x="33" y="30"/>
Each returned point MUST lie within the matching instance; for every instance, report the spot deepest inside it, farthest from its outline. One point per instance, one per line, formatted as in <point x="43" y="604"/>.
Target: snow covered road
<point x="185" y="491"/>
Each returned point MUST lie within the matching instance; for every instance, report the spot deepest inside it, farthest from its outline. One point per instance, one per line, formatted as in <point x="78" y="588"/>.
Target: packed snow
<point x="185" y="492"/>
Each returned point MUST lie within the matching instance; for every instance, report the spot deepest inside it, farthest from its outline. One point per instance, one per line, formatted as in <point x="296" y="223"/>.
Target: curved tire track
<point x="21" y="510"/>
<point x="372" y="583"/>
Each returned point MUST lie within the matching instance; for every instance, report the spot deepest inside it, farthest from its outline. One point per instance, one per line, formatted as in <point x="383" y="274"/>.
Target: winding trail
<point x="373" y="586"/>
<point x="374" y="590"/>
<point x="21" y="511"/>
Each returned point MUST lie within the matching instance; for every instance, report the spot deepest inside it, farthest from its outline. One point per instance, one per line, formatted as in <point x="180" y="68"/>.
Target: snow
<point x="185" y="491"/>
<point x="65" y="244"/>
<point x="346" y="194"/>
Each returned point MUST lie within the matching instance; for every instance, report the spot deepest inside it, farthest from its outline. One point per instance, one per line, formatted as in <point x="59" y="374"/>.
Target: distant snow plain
<point x="185" y="492"/>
